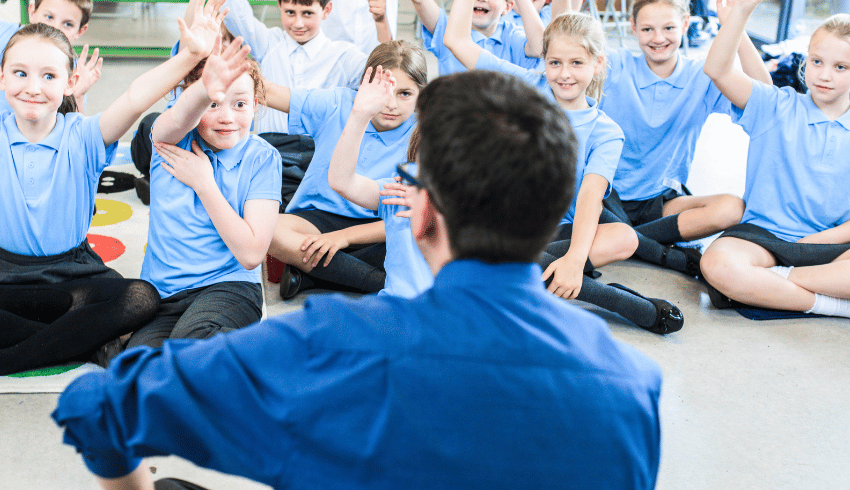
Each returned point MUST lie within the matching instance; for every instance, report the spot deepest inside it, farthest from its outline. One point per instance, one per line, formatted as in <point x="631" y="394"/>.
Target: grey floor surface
<point x="745" y="405"/>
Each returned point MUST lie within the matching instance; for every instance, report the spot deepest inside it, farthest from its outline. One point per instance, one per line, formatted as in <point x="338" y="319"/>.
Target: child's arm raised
<point x="748" y="54"/>
<point x="371" y="98"/>
<point x="720" y="63"/>
<point x="533" y="28"/>
<point x="153" y="85"/>
<point x="277" y="96"/>
<point x="247" y="238"/>
<point x="220" y="71"/>
<point x="568" y="271"/>
<point x="87" y="73"/>
<point x="458" y="38"/>
<point x="428" y="12"/>
<point x="378" y="8"/>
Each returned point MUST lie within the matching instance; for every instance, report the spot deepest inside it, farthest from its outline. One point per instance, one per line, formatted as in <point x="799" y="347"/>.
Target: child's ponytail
<point x="591" y="37"/>
<point x="69" y="104"/>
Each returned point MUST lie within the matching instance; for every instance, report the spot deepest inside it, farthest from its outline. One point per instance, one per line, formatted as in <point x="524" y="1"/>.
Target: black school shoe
<point x="175" y="484"/>
<point x="290" y="282"/>
<point x="143" y="189"/>
<point x="668" y="318"/>
<point x="692" y="260"/>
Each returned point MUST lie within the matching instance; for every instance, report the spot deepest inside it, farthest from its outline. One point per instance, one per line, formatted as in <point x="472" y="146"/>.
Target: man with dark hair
<point x="484" y="381"/>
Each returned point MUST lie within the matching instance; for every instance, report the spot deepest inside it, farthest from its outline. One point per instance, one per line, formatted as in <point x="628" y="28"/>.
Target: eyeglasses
<point x="406" y="177"/>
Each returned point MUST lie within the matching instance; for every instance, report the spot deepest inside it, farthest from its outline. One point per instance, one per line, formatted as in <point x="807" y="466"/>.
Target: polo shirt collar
<point x="646" y="77"/>
<point x="477" y="37"/>
<point x="814" y="115"/>
<point x="471" y="272"/>
<point x="584" y="116"/>
<point x="227" y="158"/>
<point x="53" y="140"/>
<point x="312" y="47"/>
<point x="393" y="136"/>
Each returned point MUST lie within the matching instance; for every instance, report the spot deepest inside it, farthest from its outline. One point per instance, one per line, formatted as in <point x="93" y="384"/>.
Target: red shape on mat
<point x="106" y="247"/>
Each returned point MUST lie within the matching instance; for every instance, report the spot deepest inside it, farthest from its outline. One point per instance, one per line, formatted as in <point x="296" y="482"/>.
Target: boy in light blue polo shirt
<point x="520" y="46"/>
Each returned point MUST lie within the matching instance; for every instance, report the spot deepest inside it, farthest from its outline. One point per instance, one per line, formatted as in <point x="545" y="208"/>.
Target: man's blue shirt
<point x="484" y="381"/>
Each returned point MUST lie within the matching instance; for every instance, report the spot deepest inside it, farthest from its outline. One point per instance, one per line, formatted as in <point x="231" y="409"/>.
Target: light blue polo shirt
<point x="507" y="43"/>
<point x="797" y="164"/>
<point x="322" y="114"/>
<point x="600" y="142"/>
<point x="184" y="249"/>
<point x="7" y="30"/>
<point x="408" y="274"/>
<point x="600" y="139"/>
<point x="47" y="189"/>
<point x="514" y="18"/>
<point x="661" y="118"/>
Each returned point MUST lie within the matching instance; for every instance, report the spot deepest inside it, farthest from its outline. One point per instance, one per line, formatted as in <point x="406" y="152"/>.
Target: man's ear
<point x="427" y="221"/>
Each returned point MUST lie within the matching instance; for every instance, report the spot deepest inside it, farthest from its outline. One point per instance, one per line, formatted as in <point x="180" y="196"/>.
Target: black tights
<point x="51" y="323"/>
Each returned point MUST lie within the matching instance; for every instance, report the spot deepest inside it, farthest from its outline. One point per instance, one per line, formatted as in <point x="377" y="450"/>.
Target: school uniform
<point x="319" y="63"/>
<point x="7" y="30"/>
<point x="184" y="249"/>
<point x="408" y="274"/>
<point x="514" y="18"/>
<point x="322" y="114"/>
<point x="351" y="21"/>
<point x="507" y="43"/>
<point x="600" y="139"/>
<point x="484" y="381"/>
<point x="661" y="119"/>
<point x="47" y="189"/>
<point x="796" y="163"/>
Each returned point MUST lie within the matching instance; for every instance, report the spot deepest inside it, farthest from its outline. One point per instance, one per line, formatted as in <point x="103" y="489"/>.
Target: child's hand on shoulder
<point x="220" y="71"/>
<point x="87" y="72"/>
<point x="192" y="168"/>
<point x="375" y="94"/>
<point x="201" y="37"/>
<point x="402" y="195"/>
<point x="378" y="8"/>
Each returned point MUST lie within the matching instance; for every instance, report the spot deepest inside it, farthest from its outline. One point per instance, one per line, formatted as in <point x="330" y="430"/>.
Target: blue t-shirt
<point x="507" y="43"/>
<point x="600" y="139"/>
<point x="484" y="381"/>
<point x="514" y="18"/>
<point x="661" y="118"/>
<point x="47" y="189"/>
<point x="408" y="274"/>
<point x="185" y="251"/>
<point x="322" y="114"/>
<point x="796" y="164"/>
<point x="7" y="30"/>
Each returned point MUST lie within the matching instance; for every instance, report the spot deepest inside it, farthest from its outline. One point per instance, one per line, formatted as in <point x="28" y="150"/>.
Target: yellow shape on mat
<point x="110" y="212"/>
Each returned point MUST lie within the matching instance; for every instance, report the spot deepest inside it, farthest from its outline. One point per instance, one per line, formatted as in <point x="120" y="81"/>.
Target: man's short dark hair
<point x="306" y="3"/>
<point x="499" y="160"/>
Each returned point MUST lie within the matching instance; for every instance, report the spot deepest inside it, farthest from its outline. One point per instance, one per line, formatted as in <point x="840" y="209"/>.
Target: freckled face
<point x="224" y="125"/>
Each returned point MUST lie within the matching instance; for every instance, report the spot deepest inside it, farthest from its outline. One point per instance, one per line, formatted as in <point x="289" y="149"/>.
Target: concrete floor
<point x="755" y="405"/>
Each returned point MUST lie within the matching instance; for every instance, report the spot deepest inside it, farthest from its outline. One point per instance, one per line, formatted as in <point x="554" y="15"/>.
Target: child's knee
<point x="717" y="264"/>
<point x="728" y="211"/>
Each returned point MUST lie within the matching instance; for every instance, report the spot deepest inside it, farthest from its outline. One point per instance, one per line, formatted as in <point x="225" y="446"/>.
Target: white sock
<point x="829" y="306"/>
<point x="781" y="270"/>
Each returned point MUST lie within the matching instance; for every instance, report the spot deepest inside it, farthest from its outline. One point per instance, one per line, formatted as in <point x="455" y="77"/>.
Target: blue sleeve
<point x="433" y="41"/>
<point x="764" y="109"/>
<point x="603" y="160"/>
<point x="267" y="177"/>
<point x="98" y="155"/>
<point x="308" y="109"/>
<point x="489" y="61"/>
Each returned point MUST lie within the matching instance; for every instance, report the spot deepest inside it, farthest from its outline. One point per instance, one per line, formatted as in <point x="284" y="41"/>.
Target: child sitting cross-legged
<point x="215" y="194"/>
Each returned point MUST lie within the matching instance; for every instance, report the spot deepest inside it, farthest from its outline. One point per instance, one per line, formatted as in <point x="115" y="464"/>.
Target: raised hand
<point x="222" y="70"/>
<point x="378" y="8"/>
<point x="87" y="71"/>
<point x="200" y="38"/>
<point x="375" y="94"/>
<point x="192" y="168"/>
